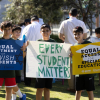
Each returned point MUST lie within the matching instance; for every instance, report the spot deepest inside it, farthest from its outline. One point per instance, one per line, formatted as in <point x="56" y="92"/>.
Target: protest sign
<point x="11" y="56"/>
<point x="48" y="60"/>
<point x="86" y="58"/>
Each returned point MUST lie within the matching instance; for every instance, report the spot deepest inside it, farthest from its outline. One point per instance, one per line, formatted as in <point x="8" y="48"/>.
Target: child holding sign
<point x="44" y="84"/>
<point x="96" y="39"/>
<point x="7" y="75"/>
<point x="16" y="31"/>
<point x="83" y="82"/>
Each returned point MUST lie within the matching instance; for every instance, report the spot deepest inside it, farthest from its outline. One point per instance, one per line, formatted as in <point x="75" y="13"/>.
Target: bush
<point x="56" y="38"/>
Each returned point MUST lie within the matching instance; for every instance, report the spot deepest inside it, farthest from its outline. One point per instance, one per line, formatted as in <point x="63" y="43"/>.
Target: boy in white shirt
<point x="96" y="39"/>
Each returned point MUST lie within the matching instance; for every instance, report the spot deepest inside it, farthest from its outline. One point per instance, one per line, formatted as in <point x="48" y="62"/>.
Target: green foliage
<point x="56" y="38"/>
<point x="88" y="9"/>
<point x="49" y="10"/>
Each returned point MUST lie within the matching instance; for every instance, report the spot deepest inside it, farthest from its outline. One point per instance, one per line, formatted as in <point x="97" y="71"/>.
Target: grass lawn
<point x="58" y="92"/>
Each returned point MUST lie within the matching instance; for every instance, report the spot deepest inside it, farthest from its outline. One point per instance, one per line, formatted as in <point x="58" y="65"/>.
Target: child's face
<point x="16" y="34"/>
<point x="7" y="31"/>
<point x="45" y="33"/>
<point x="78" y="36"/>
<point x="97" y="35"/>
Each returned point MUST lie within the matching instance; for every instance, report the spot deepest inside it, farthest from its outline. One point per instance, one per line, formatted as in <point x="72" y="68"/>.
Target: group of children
<point x="12" y="77"/>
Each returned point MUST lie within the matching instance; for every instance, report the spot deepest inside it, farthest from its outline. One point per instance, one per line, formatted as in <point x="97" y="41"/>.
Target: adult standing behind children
<point x="23" y="25"/>
<point x="32" y="33"/>
<point x="41" y="21"/>
<point x="66" y="34"/>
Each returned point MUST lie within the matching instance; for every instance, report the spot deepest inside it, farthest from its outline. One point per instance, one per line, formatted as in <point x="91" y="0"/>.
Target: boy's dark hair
<point x="6" y="24"/>
<point x="73" y="12"/>
<point x="27" y="21"/>
<point x="78" y="29"/>
<point x="15" y="27"/>
<point x="67" y="18"/>
<point x="21" y="24"/>
<point x="45" y="26"/>
<point x="97" y="30"/>
<point x="35" y="17"/>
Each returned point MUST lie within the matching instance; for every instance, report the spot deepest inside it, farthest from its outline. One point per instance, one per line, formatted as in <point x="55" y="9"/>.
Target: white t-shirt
<point x="94" y="39"/>
<point x="67" y="27"/>
<point x="41" y="21"/>
<point x="21" y="35"/>
<point x="32" y="31"/>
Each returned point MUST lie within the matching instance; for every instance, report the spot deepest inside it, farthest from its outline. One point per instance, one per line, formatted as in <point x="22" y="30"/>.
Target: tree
<point x="87" y="10"/>
<point x="49" y="10"/>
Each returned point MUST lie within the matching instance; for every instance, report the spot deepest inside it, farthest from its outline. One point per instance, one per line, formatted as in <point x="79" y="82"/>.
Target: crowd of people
<point x="71" y="31"/>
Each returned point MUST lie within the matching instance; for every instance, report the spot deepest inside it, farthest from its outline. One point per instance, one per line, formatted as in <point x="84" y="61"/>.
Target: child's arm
<point x="24" y="54"/>
<point x="62" y="36"/>
<point x="24" y="48"/>
<point x="84" y="35"/>
<point x="70" y="55"/>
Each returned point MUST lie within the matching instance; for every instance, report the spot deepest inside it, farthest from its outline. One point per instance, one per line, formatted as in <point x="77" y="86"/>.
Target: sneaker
<point x="24" y="97"/>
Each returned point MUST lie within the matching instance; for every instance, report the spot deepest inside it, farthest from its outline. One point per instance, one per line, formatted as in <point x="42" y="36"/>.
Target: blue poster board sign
<point x="11" y="55"/>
